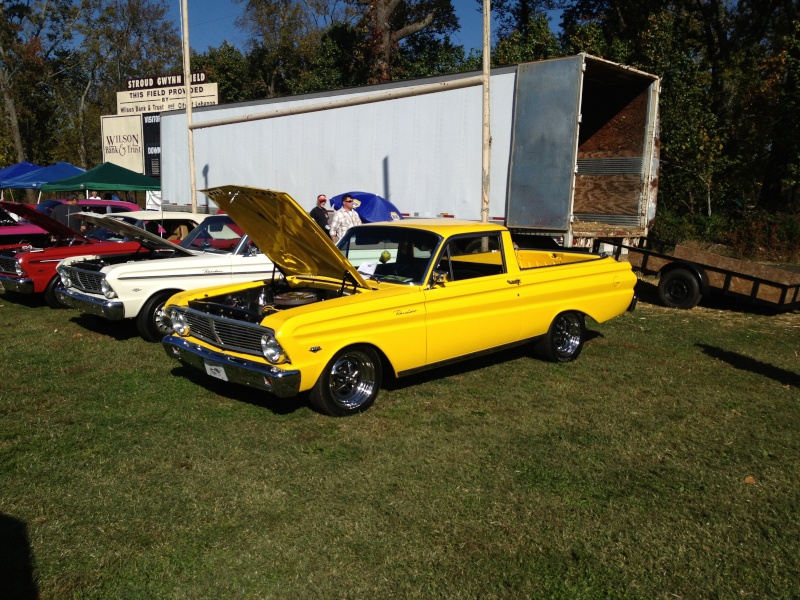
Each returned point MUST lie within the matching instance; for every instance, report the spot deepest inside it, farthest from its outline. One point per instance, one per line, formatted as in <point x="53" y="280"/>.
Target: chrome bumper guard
<point x="111" y="310"/>
<point x="14" y="284"/>
<point x="282" y="383"/>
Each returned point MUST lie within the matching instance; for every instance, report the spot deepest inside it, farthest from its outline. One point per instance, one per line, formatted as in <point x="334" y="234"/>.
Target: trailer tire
<point x="679" y="288"/>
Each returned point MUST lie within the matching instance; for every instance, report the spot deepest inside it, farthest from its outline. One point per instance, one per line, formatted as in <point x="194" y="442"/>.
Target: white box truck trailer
<point x="574" y="150"/>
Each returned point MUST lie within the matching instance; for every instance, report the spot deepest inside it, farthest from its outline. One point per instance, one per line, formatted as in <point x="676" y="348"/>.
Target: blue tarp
<point x="35" y="179"/>
<point x="370" y="207"/>
<point x="17" y="170"/>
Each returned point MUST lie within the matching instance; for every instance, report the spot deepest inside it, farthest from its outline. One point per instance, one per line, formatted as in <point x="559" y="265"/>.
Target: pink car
<point x="26" y="232"/>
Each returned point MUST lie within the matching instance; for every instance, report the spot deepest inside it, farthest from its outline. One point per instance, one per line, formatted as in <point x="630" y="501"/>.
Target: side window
<point x="469" y="257"/>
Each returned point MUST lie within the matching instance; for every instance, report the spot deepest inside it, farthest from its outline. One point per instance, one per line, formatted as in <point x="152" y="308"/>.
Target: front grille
<point x="8" y="264"/>
<point x="224" y="332"/>
<point x="86" y="281"/>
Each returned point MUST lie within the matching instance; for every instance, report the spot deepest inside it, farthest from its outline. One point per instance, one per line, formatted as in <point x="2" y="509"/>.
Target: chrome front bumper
<point x="282" y="383"/>
<point x="110" y="309"/>
<point x="15" y="284"/>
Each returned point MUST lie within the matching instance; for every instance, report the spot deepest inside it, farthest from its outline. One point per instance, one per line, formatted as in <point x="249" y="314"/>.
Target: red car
<point x="28" y="269"/>
<point x="24" y="232"/>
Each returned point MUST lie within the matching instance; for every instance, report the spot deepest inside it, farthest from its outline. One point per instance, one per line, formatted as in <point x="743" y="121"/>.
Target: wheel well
<point x="386" y="364"/>
<point x="163" y="292"/>
<point x="692" y="268"/>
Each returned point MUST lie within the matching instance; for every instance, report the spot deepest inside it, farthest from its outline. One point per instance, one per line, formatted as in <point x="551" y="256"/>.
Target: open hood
<point x="283" y="231"/>
<point x="149" y="240"/>
<point x="49" y="224"/>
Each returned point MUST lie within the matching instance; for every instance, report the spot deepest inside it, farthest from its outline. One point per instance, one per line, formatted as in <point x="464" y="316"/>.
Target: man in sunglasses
<point x="343" y="219"/>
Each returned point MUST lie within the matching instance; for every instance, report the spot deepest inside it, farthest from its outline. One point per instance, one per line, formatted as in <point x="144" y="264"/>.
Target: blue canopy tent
<point x="36" y="179"/>
<point x="17" y="170"/>
<point x="370" y="207"/>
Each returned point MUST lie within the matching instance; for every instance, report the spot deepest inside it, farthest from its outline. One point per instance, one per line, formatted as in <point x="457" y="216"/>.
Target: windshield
<point x="216" y="234"/>
<point x="98" y="232"/>
<point x="393" y="254"/>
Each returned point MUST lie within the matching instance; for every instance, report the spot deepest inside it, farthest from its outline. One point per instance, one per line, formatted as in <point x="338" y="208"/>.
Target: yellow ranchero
<point x="426" y="292"/>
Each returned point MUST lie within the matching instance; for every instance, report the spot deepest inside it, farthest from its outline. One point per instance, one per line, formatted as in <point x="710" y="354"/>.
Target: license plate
<point x="217" y="371"/>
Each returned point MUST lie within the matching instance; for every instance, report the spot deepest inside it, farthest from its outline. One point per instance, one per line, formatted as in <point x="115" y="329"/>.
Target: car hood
<point x="283" y="231"/>
<point x="149" y="240"/>
<point x="49" y="224"/>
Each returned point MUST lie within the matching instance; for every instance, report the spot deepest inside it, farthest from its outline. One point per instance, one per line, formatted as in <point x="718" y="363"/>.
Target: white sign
<point x="123" y="142"/>
<point x="136" y="102"/>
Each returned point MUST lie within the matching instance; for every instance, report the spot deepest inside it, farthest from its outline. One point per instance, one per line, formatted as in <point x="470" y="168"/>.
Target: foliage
<point x="386" y="23"/>
<point x="536" y="43"/>
<point x="336" y="64"/>
<point x="228" y="67"/>
<point x="34" y="37"/>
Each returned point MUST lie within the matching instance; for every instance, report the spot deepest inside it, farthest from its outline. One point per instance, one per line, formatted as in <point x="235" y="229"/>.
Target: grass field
<point x="663" y="463"/>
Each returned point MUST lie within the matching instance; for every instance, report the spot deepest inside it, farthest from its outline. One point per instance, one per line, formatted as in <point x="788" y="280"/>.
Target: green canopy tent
<point x="106" y="177"/>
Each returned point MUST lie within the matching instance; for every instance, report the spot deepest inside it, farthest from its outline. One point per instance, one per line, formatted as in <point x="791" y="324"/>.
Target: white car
<point x="129" y="287"/>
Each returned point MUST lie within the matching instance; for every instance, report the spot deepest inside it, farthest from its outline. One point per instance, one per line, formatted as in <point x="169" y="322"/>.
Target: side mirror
<point x="439" y="278"/>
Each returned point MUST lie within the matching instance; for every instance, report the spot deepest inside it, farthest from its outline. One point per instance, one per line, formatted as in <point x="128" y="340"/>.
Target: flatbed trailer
<point x="686" y="274"/>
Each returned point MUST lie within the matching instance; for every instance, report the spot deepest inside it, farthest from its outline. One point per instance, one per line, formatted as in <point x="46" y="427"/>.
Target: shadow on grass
<point x="29" y="300"/>
<point x="16" y="560"/>
<point x="240" y="393"/>
<point x="474" y="364"/>
<point x="744" y="363"/>
<point x="117" y="330"/>
<point x="285" y="406"/>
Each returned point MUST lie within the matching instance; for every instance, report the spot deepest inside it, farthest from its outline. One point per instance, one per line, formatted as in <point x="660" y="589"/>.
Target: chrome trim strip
<point x="180" y="275"/>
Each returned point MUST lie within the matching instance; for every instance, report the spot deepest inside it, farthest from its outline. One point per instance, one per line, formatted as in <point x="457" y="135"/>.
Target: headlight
<point x="179" y="323"/>
<point x="65" y="278"/>
<point x="108" y="292"/>
<point x="18" y="268"/>
<point x="272" y="350"/>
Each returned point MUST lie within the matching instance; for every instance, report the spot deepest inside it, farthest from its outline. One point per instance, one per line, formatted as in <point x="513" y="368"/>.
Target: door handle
<point x="514" y="281"/>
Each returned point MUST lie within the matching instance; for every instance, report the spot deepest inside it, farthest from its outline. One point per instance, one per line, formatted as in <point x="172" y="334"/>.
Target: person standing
<point x="319" y="214"/>
<point x="94" y="196"/>
<point x="65" y="214"/>
<point x="343" y="219"/>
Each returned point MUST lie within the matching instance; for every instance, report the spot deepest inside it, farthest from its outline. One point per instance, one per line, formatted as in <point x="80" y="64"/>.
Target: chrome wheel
<point x="567" y="334"/>
<point x="564" y="340"/>
<point x="350" y="382"/>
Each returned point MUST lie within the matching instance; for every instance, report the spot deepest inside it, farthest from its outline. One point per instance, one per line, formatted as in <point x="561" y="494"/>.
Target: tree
<point x="536" y="43"/>
<point x="520" y="17"/>
<point x="32" y="33"/>
<point x="388" y="22"/>
<point x="119" y="40"/>
<point x="337" y="63"/>
<point x="228" y="67"/>
<point x="286" y="37"/>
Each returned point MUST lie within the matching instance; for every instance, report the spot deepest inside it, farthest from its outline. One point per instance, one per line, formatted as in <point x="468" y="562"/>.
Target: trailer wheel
<point x="564" y="340"/>
<point x="679" y="288"/>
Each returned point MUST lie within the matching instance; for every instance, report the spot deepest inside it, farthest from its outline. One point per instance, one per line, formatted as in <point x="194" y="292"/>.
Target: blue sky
<point x="213" y="21"/>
